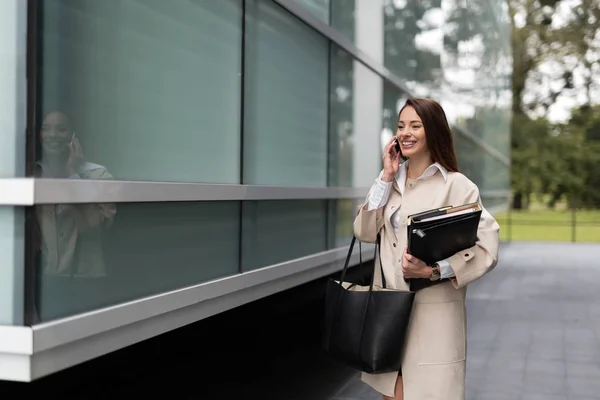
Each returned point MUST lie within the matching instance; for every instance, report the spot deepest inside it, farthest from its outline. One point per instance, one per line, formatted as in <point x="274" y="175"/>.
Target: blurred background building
<point x="223" y="148"/>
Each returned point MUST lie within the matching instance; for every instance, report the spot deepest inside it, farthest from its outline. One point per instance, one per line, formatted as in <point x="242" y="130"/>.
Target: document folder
<point x="435" y="235"/>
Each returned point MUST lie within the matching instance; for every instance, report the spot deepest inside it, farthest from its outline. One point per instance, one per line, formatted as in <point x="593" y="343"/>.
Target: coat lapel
<point x="396" y="187"/>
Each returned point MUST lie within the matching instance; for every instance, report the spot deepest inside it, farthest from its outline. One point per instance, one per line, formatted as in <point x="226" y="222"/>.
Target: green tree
<point x="584" y="127"/>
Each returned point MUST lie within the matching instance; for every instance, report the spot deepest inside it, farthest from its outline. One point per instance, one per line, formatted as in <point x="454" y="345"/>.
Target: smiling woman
<point x="427" y="179"/>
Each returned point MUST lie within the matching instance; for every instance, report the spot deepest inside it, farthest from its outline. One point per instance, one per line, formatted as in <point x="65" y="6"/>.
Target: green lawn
<point x="542" y="224"/>
<point x="536" y="224"/>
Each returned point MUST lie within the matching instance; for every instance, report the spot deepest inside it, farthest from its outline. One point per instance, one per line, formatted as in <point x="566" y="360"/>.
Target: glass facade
<point x="228" y="96"/>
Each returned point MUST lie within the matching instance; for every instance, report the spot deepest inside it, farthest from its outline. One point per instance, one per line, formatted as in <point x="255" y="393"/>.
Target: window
<point x="341" y="221"/>
<point x="355" y="122"/>
<point x="11" y="273"/>
<point x="275" y="231"/>
<point x="149" y="89"/>
<point x="131" y="251"/>
<point x="285" y="137"/>
<point x="413" y="43"/>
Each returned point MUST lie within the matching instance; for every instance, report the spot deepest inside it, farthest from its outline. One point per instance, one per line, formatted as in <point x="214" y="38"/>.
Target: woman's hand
<point x="391" y="161"/>
<point x="76" y="159"/>
<point x="412" y="267"/>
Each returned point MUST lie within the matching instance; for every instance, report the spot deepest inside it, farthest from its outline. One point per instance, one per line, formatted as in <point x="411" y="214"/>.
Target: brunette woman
<point x="434" y="361"/>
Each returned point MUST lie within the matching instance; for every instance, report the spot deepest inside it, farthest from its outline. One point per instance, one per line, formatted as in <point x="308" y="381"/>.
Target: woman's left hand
<point x="412" y="267"/>
<point x="76" y="159"/>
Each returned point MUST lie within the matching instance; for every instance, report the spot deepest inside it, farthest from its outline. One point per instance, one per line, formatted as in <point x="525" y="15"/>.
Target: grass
<point x="536" y="224"/>
<point x="542" y="224"/>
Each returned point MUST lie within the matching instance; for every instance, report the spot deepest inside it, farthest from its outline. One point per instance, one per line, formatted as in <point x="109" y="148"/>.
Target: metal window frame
<point x="34" y="191"/>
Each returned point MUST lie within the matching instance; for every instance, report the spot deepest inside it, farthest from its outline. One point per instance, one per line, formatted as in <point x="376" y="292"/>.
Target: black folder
<point x="435" y="235"/>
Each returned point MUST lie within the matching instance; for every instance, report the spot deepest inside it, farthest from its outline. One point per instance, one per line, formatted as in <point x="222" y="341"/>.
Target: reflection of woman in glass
<point x="71" y="259"/>
<point x="434" y="361"/>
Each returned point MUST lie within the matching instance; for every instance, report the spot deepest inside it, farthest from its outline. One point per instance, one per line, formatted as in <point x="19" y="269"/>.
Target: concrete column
<point x="13" y="46"/>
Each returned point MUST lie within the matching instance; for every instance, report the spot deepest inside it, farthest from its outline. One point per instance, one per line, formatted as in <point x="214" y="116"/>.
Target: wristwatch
<point x="435" y="273"/>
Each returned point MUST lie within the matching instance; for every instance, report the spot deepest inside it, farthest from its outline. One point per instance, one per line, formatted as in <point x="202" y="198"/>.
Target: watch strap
<point x="435" y="272"/>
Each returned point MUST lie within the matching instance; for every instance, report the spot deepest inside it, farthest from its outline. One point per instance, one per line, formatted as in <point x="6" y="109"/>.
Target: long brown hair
<point x="437" y="131"/>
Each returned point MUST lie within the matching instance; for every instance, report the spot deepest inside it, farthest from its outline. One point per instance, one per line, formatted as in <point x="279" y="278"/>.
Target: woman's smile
<point x="407" y="144"/>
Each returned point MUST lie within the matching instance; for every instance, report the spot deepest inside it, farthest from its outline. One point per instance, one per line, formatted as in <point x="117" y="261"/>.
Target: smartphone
<point x="397" y="146"/>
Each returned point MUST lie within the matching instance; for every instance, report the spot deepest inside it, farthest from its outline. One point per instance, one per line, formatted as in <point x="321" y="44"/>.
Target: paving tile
<point x="583" y="387"/>
<point x="583" y="370"/>
<point x="506" y="384"/>
<point x="548" y="367"/>
<point x="477" y="359"/>
<point x="547" y="354"/>
<point x="494" y="396"/>
<point x="583" y="398"/>
<point x="582" y="355"/>
<point x="540" y="383"/>
<point x="532" y="396"/>
<point x="356" y="388"/>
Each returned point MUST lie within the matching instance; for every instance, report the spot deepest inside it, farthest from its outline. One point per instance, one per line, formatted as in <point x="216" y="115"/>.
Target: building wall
<point x="12" y="156"/>
<point x="267" y="118"/>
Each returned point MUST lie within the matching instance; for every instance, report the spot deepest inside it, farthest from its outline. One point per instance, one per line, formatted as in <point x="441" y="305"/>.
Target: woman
<point x="433" y="366"/>
<point x="71" y="261"/>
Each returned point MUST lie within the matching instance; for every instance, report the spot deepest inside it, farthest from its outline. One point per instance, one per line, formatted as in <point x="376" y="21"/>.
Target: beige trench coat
<point x="70" y="235"/>
<point x="433" y="367"/>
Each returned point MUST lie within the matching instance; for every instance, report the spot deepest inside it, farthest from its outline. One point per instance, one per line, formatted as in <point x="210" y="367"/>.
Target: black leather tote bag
<point x="365" y="326"/>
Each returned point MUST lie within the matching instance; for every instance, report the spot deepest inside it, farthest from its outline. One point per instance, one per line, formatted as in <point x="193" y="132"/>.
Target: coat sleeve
<point x="99" y="215"/>
<point x="471" y="264"/>
<point x="368" y="223"/>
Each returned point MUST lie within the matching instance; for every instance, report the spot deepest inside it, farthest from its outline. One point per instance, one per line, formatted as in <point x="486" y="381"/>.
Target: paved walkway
<point x="534" y="327"/>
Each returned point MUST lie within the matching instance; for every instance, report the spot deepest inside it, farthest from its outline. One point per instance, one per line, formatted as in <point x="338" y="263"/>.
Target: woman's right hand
<point x="391" y="161"/>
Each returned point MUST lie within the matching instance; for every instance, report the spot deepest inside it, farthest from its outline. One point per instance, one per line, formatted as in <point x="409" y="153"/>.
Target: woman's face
<point x="411" y="133"/>
<point x="55" y="133"/>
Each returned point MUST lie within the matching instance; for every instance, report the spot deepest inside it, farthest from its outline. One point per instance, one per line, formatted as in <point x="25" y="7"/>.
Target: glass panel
<point x="341" y="222"/>
<point x="476" y="93"/>
<point x="486" y="171"/>
<point x="495" y="205"/>
<point x="355" y="122"/>
<point x="412" y="43"/>
<point x="342" y="17"/>
<point x="361" y="22"/>
<point x="285" y="138"/>
<point x="12" y="225"/>
<point x="148" y="89"/>
<point x="96" y="255"/>
<point x="341" y="119"/>
<point x="320" y="8"/>
<point x="393" y="100"/>
<point x="470" y="158"/>
<point x="275" y="231"/>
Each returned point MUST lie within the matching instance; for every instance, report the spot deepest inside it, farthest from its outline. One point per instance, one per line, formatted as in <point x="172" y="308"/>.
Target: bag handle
<point x="378" y="250"/>
<point x="377" y="253"/>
